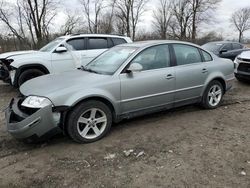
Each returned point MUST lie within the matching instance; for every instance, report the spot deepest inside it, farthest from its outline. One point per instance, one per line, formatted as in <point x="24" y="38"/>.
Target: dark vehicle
<point x="225" y="49"/>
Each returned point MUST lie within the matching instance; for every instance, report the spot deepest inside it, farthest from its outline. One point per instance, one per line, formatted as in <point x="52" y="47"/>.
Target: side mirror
<point x="134" y="67"/>
<point x="61" y="49"/>
<point x="223" y="51"/>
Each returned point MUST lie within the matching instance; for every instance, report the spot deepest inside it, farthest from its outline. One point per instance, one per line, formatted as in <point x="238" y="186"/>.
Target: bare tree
<point x="106" y="24"/>
<point x="129" y="13"/>
<point x="181" y="21"/>
<point x="201" y="12"/>
<point x="39" y="14"/>
<point x="123" y="12"/>
<point x="241" y="21"/>
<point x="7" y="16"/>
<point x="32" y="15"/>
<point x="162" y="17"/>
<point x="137" y="10"/>
<point x="71" y="24"/>
<point x="92" y="11"/>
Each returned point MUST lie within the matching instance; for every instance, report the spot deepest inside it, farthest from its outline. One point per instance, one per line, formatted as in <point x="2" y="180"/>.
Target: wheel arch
<point x="22" y="68"/>
<point x="219" y="79"/>
<point x="222" y="81"/>
<point x="97" y="98"/>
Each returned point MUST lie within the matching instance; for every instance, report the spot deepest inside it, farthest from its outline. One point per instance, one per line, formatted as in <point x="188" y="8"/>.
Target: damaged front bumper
<point x="4" y="72"/>
<point x="31" y="124"/>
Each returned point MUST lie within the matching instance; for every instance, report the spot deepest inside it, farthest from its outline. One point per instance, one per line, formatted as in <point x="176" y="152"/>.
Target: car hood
<point x="45" y="85"/>
<point x="245" y="55"/>
<point x="15" y="53"/>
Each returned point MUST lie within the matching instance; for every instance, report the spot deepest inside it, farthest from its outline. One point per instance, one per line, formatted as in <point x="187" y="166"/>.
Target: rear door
<point x="191" y="73"/>
<point x="153" y="86"/>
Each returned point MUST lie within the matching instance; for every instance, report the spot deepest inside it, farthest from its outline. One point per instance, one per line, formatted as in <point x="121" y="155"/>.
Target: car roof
<point x="141" y="44"/>
<point x="92" y="35"/>
<point x="223" y="42"/>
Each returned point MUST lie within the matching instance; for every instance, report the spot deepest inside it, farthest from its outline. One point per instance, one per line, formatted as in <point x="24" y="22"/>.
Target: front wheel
<point x="213" y="95"/>
<point x="89" y="122"/>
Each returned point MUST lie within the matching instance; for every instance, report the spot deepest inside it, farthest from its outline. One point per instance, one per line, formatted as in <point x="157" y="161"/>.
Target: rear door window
<point x="237" y="46"/>
<point x="186" y="54"/>
<point x="207" y="57"/>
<point x="227" y="47"/>
<point x="97" y="43"/>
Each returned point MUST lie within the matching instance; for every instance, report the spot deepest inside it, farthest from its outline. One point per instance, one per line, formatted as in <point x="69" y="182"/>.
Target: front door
<point x="151" y="87"/>
<point x="72" y="58"/>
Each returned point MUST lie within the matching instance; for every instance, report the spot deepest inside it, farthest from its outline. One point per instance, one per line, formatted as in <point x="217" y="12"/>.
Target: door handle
<point x="204" y="70"/>
<point x="169" y="77"/>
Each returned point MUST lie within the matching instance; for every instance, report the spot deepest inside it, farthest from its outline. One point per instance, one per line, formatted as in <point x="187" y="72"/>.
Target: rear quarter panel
<point x="220" y="68"/>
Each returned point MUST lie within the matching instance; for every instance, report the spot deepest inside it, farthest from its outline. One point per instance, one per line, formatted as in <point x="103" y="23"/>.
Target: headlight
<point x="36" y="102"/>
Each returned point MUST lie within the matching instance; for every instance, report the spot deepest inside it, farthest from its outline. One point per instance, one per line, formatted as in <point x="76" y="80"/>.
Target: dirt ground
<point x="185" y="147"/>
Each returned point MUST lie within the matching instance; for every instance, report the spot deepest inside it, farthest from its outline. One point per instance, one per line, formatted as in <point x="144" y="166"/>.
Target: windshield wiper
<point x="89" y="70"/>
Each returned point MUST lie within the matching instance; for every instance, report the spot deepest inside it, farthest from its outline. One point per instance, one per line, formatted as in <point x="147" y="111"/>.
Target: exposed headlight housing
<point x="236" y="62"/>
<point x="12" y="75"/>
<point x="36" y="102"/>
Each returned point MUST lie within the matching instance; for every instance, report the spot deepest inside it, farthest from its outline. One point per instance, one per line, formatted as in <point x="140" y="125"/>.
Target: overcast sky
<point x="222" y="16"/>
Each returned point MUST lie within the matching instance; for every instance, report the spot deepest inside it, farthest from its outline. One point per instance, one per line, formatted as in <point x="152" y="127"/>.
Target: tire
<point x="242" y="79"/>
<point x="209" y="93"/>
<point x="27" y="75"/>
<point x="83" y="119"/>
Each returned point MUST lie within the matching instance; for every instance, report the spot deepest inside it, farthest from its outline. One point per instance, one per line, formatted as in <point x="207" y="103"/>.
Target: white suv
<point x="62" y="54"/>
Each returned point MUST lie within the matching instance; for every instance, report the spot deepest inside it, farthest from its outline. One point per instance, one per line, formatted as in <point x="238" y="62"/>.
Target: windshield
<point x="110" y="61"/>
<point x="212" y="47"/>
<point x="51" y="45"/>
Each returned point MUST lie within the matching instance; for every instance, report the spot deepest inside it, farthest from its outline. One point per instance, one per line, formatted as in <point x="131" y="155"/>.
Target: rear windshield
<point x="213" y="47"/>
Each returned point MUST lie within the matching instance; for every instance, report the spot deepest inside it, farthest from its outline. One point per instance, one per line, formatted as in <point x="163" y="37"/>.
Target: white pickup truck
<point x="62" y="54"/>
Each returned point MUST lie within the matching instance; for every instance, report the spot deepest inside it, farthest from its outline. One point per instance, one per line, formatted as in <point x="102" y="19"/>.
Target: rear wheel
<point x="89" y="122"/>
<point x="213" y="94"/>
<point x="27" y="75"/>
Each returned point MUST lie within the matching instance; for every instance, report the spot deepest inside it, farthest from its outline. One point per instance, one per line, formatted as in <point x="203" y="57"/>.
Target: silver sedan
<point x="126" y="81"/>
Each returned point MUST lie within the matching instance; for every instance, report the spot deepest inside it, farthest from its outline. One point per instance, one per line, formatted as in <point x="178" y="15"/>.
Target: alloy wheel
<point x="214" y="95"/>
<point x="92" y="123"/>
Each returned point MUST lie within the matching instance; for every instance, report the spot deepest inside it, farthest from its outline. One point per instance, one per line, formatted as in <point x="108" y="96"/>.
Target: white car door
<point x="71" y="59"/>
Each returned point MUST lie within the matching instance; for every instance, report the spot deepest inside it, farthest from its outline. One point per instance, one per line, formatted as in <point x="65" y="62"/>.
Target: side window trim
<point x="202" y="55"/>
